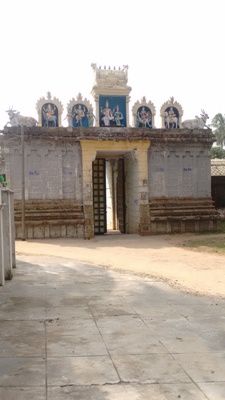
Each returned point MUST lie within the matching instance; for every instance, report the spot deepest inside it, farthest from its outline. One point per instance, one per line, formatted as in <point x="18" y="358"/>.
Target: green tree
<point x="217" y="152"/>
<point x="218" y="123"/>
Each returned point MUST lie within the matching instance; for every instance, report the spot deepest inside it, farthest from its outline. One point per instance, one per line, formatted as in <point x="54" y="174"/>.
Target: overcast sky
<point x="173" y="48"/>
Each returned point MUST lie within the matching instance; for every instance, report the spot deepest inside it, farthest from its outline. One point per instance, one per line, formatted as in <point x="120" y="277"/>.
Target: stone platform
<point x="70" y="330"/>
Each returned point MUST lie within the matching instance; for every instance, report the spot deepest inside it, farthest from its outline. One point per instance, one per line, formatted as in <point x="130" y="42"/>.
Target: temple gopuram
<point x="104" y="173"/>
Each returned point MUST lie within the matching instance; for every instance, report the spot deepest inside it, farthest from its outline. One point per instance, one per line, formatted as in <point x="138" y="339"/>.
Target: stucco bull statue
<point x="197" y="123"/>
<point x="15" y="119"/>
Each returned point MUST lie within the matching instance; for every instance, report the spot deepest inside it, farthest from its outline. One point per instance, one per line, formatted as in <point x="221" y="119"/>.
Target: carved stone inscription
<point x="34" y="174"/>
<point x="187" y="174"/>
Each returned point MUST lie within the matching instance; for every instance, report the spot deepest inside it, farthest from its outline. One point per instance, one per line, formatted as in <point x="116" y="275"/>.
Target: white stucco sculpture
<point x="50" y="111"/>
<point x="15" y="119"/>
<point x="171" y="113"/>
<point x="197" y="123"/>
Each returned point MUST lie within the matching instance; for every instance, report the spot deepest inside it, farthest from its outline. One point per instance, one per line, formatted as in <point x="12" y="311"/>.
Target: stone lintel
<point x="100" y="133"/>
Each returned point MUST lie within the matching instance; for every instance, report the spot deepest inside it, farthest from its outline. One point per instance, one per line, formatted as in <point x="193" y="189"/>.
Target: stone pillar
<point x="11" y="208"/>
<point x="88" y="156"/>
<point x="143" y="193"/>
<point x="7" y="234"/>
<point x="96" y="99"/>
<point x="127" y="110"/>
<point x="2" y="272"/>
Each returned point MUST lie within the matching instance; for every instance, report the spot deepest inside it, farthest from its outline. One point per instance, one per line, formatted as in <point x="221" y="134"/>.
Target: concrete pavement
<point x="70" y="330"/>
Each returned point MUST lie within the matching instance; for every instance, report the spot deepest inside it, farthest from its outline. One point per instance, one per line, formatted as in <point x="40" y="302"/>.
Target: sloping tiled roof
<point x="218" y="167"/>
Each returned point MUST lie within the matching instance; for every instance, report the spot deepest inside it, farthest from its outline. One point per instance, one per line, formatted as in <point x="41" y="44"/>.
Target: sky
<point x="172" y="47"/>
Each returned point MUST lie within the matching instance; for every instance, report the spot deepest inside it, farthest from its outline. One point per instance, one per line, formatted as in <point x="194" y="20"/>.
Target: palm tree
<point x="218" y="122"/>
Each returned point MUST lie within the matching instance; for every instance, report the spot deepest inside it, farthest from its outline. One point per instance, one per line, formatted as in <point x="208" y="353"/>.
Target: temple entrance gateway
<point x="125" y="190"/>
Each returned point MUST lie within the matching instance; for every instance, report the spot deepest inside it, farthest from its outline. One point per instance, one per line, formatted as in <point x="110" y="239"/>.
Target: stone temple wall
<point x="180" y="183"/>
<point x="179" y="170"/>
<point x="53" y="184"/>
<point x="167" y="180"/>
<point x="52" y="170"/>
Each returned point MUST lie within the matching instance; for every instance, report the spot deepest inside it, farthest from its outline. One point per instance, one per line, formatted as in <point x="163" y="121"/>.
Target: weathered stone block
<point x="161" y="227"/>
<point x="175" y="227"/>
<point x="190" y="226"/>
<point x="203" y="226"/>
<point x="38" y="232"/>
<point x="80" y="231"/>
<point x="47" y="231"/>
<point x="70" y="231"/>
<point x="18" y="232"/>
<point x="55" y="231"/>
<point x="30" y="233"/>
<point x="63" y="231"/>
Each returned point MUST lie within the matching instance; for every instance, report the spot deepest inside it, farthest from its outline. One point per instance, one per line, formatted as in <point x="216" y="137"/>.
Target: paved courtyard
<point x="71" y="330"/>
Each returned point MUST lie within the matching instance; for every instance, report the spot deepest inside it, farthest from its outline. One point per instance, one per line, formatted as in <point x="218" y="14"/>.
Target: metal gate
<point x="99" y="196"/>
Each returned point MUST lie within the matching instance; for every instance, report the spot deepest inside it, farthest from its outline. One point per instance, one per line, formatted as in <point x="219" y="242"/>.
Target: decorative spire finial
<point x="79" y="97"/>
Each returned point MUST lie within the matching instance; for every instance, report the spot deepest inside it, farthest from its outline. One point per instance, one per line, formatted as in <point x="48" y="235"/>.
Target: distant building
<point x="218" y="182"/>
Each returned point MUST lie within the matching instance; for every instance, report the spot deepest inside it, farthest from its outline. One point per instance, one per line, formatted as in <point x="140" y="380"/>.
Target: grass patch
<point x="221" y="226"/>
<point x="213" y="244"/>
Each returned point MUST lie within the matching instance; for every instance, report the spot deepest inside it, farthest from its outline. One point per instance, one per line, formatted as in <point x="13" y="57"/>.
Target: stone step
<point x="182" y="218"/>
<point x="183" y="211"/>
<point x="52" y="222"/>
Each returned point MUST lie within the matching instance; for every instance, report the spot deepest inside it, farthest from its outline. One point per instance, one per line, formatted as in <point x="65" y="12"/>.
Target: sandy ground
<point x="162" y="257"/>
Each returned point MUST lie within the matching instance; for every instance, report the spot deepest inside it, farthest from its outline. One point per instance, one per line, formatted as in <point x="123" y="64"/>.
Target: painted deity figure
<point x="91" y="118"/>
<point x="49" y="115"/>
<point x="80" y="116"/>
<point x="144" y="117"/>
<point x="69" y="119"/>
<point x="106" y="116"/>
<point x="118" y="116"/>
<point x="171" y="118"/>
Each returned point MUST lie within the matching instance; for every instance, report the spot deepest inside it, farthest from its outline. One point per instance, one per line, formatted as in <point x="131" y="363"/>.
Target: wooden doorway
<point x="109" y="196"/>
<point x="99" y="196"/>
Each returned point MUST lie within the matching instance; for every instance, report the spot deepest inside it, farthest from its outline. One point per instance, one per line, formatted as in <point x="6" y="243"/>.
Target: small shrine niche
<point x="49" y="111"/>
<point x="111" y="95"/>
<point x="171" y="114"/>
<point x="80" y="113"/>
<point x="143" y="114"/>
<point x="112" y="111"/>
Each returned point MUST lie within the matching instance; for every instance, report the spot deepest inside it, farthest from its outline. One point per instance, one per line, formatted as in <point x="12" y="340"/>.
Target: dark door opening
<point x="218" y="191"/>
